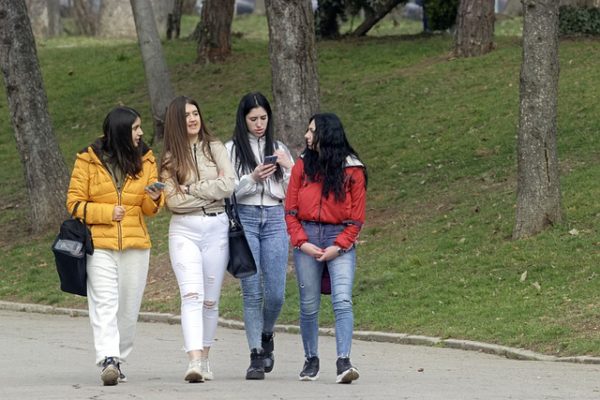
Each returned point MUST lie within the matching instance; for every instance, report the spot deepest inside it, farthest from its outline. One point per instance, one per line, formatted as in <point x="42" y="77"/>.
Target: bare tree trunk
<point x="293" y="56"/>
<point x="116" y="19"/>
<point x="259" y="7"/>
<point x="538" y="186"/>
<point x="214" y="43"/>
<point x="513" y="8"/>
<point x="380" y="10"/>
<point x="174" y="20"/>
<point x="474" y="28"/>
<point x="54" y="22"/>
<point x="86" y="20"/>
<point x="38" y="15"/>
<point x="46" y="174"/>
<point x="155" y="66"/>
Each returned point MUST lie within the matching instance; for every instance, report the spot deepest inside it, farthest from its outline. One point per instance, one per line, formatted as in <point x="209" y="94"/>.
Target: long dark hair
<point x="246" y="161"/>
<point x="326" y="164"/>
<point x="177" y="158"/>
<point x="117" y="141"/>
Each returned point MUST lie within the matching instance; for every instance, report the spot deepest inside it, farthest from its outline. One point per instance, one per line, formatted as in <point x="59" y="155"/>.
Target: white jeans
<point x="115" y="285"/>
<point x="199" y="251"/>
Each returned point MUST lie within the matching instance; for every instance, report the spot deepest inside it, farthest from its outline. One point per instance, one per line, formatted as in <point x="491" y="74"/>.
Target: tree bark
<point x="116" y="19"/>
<point x="214" y="42"/>
<point x="474" y="28"/>
<point x="174" y="20"/>
<point x="38" y="15"/>
<point x="538" y="186"/>
<point x="513" y="8"/>
<point x="380" y="10"/>
<point x="157" y="74"/>
<point x="46" y="174"/>
<point x="54" y="21"/>
<point x="293" y="56"/>
<point x="86" y="20"/>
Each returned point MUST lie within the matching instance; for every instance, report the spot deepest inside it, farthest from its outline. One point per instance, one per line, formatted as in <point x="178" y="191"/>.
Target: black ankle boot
<point x="268" y="346"/>
<point x="256" y="370"/>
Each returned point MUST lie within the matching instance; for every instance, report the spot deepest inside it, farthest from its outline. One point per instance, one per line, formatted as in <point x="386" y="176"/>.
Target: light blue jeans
<point x="308" y="274"/>
<point x="264" y="292"/>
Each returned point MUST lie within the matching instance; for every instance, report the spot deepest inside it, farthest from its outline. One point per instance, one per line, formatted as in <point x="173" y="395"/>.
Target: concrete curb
<point x="399" y="338"/>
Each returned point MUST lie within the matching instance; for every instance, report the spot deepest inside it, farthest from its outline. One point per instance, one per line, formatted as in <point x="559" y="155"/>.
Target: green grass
<point x="438" y="135"/>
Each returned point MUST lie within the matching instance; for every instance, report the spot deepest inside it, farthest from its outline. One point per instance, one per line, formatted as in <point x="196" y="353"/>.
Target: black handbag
<point x="241" y="261"/>
<point x="70" y="248"/>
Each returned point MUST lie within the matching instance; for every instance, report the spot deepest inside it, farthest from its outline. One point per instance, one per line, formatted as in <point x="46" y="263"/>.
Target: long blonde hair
<point x="177" y="159"/>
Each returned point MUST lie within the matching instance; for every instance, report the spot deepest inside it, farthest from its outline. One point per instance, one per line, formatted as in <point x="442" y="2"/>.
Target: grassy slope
<point x="438" y="136"/>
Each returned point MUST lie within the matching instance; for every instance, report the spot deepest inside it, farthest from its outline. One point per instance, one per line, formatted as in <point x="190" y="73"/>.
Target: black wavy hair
<point x="117" y="141"/>
<point x="246" y="162"/>
<point x="326" y="162"/>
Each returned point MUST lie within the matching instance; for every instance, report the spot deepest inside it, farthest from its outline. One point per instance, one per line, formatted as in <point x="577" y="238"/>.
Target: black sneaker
<point x="310" y="371"/>
<point x="346" y="372"/>
<point x="110" y="372"/>
<point x="256" y="370"/>
<point x="268" y="345"/>
<point x="122" y="376"/>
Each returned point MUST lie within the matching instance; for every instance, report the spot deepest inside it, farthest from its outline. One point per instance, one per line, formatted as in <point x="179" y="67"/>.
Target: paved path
<point x="50" y="357"/>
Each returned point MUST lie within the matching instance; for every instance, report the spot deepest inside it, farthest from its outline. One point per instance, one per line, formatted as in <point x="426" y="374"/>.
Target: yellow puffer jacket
<point x="92" y="183"/>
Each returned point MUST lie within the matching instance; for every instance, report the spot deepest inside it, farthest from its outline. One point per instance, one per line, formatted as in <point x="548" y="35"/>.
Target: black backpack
<point x="70" y="248"/>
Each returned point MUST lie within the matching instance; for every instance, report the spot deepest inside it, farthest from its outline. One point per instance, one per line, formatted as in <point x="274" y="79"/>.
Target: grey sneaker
<point x="194" y="372"/>
<point x="110" y="372"/>
<point x="346" y="372"/>
<point x="310" y="371"/>
<point x="205" y="370"/>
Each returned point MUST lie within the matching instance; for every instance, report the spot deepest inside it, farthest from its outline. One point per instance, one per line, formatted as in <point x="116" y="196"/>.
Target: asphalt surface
<point x="49" y="356"/>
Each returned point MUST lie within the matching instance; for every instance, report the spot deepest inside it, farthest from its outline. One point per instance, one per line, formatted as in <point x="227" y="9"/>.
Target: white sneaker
<point x="205" y="369"/>
<point x="194" y="372"/>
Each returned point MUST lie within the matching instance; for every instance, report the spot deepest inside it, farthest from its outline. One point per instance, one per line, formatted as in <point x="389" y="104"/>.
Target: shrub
<point x="441" y="14"/>
<point x="579" y="21"/>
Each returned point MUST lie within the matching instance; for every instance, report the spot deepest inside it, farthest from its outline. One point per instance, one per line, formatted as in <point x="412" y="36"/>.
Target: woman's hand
<point x="118" y="213"/>
<point x="330" y="253"/>
<point x="153" y="192"/>
<point x="312" y="250"/>
<point x="263" y="171"/>
<point x="283" y="159"/>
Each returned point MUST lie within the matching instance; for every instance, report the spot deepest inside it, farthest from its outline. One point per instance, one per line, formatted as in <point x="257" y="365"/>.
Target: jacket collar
<point x="97" y="151"/>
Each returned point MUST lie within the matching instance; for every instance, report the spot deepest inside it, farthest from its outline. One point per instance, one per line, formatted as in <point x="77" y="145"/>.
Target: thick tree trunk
<point x="38" y="15"/>
<point x="116" y="19"/>
<point x="214" y="42"/>
<point x="46" y="174"/>
<point x="293" y="56"/>
<point x="174" y="20"/>
<point x="513" y="8"/>
<point x="85" y="19"/>
<point x="538" y="186"/>
<point x="380" y="10"/>
<point x="474" y="28"/>
<point x="54" y="21"/>
<point x="157" y="74"/>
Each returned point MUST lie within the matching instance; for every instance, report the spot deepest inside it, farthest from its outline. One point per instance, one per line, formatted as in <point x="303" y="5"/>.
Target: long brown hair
<point x="177" y="158"/>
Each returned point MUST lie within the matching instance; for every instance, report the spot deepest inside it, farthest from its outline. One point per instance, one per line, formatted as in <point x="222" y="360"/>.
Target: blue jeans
<point x="264" y="292"/>
<point x="308" y="274"/>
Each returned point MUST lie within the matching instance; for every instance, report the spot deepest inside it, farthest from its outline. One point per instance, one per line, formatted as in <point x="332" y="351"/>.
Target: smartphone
<point x="156" y="186"/>
<point x="270" y="160"/>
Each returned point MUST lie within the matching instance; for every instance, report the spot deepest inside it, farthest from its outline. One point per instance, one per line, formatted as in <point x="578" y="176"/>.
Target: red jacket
<point x="303" y="202"/>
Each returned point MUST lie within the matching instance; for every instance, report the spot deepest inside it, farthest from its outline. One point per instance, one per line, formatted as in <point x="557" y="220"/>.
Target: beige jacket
<point x="207" y="190"/>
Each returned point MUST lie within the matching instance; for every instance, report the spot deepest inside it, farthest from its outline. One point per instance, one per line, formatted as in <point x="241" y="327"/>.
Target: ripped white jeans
<point x="199" y="251"/>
